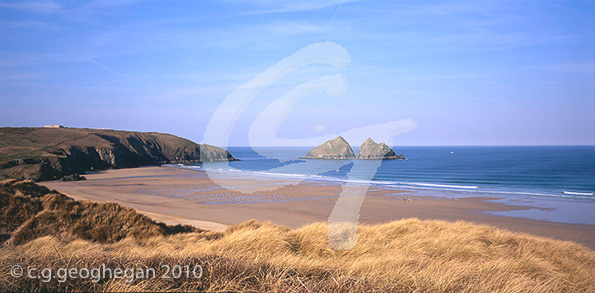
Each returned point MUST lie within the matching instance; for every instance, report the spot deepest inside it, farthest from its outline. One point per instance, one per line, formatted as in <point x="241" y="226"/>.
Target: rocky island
<point x="339" y="149"/>
<point x="371" y="150"/>
<point x="54" y="152"/>
<point x="335" y="149"/>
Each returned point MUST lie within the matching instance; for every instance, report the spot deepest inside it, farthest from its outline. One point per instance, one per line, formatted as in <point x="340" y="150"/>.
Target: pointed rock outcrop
<point x="335" y="149"/>
<point x="370" y="150"/>
<point x="209" y="153"/>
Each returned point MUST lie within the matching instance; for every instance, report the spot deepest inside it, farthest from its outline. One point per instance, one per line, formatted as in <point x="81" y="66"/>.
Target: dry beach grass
<point x="406" y="255"/>
<point x="409" y="255"/>
<point x="29" y="211"/>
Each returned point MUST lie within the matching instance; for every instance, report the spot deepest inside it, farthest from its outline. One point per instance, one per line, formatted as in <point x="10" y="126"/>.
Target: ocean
<point x="556" y="182"/>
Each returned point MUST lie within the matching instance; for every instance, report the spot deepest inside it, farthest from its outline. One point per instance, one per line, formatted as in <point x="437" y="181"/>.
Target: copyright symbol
<point x="16" y="271"/>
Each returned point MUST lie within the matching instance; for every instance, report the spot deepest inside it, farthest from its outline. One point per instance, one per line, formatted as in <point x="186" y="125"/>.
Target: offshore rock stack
<point x="339" y="149"/>
<point x="371" y="150"/>
<point x="336" y="149"/>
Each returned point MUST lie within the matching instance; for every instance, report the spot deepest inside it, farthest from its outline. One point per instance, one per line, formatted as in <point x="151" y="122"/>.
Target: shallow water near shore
<point x="555" y="182"/>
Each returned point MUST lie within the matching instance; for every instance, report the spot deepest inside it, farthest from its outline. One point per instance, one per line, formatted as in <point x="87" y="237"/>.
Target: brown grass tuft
<point x="29" y="211"/>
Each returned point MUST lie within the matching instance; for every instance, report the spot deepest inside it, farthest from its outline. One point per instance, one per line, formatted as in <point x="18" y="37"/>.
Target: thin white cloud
<point x="52" y="7"/>
<point x="285" y="29"/>
<point x="107" y="68"/>
<point x="440" y="77"/>
<point x="100" y="4"/>
<point x="31" y="24"/>
<point x="569" y="67"/>
<point x="22" y="76"/>
<point x="283" y="6"/>
<point x="248" y="37"/>
<point x="42" y="7"/>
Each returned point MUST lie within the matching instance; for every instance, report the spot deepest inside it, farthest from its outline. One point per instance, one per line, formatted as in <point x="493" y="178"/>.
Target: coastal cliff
<point x="51" y="153"/>
<point x="335" y="149"/>
<point x="371" y="150"/>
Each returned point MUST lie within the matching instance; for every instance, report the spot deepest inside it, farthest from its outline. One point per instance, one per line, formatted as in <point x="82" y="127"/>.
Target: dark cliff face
<point x="335" y="149"/>
<point x="371" y="150"/>
<point x="45" y="153"/>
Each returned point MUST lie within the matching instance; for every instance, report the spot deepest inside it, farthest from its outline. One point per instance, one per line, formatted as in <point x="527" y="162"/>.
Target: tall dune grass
<point x="404" y="256"/>
<point x="45" y="229"/>
<point x="29" y="211"/>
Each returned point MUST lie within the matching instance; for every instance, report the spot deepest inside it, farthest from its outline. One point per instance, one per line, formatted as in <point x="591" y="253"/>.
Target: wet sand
<point x="175" y="195"/>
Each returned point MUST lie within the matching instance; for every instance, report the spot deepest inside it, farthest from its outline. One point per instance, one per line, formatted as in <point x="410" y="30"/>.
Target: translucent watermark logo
<point x="343" y="220"/>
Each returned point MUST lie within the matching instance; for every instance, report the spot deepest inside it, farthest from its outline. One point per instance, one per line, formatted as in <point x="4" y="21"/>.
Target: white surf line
<point x="577" y="193"/>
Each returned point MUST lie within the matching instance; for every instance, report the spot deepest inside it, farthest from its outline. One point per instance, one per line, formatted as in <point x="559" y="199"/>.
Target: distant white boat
<point x="452" y="153"/>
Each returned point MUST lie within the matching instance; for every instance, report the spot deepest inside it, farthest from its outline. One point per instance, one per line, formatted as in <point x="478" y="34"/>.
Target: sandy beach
<point x="175" y="195"/>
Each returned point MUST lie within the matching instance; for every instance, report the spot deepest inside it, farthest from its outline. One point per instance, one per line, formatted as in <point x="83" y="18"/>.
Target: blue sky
<point x="467" y="72"/>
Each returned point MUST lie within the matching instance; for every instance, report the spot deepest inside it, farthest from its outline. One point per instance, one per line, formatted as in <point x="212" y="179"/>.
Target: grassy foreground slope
<point x="50" y="153"/>
<point x="29" y="211"/>
<point x="402" y="256"/>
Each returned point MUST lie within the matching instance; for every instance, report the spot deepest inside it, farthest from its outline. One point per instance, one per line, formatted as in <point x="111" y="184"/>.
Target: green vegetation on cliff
<point x="50" y="153"/>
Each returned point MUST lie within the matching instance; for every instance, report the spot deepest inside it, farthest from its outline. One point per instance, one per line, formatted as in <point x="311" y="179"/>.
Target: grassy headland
<point x="50" y="153"/>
